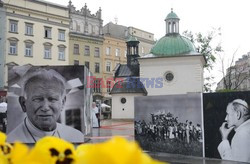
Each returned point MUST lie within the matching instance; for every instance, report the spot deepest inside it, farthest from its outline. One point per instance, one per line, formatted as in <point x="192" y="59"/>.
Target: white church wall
<point x="126" y="110"/>
<point x="187" y="71"/>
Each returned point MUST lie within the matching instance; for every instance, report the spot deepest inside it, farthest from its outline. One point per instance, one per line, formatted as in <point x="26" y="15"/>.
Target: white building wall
<point x="93" y="25"/>
<point x="187" y="71"/>
<point x="123" y="111"/>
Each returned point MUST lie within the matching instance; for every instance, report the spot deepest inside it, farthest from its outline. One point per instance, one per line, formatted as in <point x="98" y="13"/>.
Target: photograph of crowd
<point x="170" y="124"/>
<point x="227" y="125"/>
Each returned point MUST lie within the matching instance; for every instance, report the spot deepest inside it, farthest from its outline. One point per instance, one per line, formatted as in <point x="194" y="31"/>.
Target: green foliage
<point x="206" y="45"/>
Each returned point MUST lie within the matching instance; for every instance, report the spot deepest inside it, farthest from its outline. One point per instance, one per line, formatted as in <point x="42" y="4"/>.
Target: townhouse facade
<point x="36" y="33"/>
<point x="114" y="53"/>
<point x="86" y="42"/>
<point x="238" y="75"/>
<point x="145" y="38"/>
<point x="115" y="50"/>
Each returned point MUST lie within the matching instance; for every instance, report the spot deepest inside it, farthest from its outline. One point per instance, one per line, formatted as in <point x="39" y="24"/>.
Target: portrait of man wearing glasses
<point x="237" y="119"/>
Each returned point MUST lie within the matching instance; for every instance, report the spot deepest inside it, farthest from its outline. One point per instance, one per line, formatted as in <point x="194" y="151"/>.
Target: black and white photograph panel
<point x="227" y="125"/>
<point x="3" y="111"/>
<point x="170" y="124"/>
<point x="46" y="101"/>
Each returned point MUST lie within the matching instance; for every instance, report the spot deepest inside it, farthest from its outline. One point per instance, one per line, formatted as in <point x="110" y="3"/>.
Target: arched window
<point x="90" y="29"/>
<point x="97" y="30"/>
<point x="74" y="25"/>
<point x="169" y="27"/>
<point x="28" y="48"/>
<point x="13" y="45"/>
<point x="86" y="30"/>
<point x="47" y="50"/>
<point x="174" y="27"/>
<point x="82" y="27"/>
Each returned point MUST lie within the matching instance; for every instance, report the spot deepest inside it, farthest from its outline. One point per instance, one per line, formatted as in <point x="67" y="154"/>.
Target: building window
<point x="47" y="32"/>
<point x="28" y="29"/>
<point x="61" y="35"/>
<point x="90" y="28"/>
<point x="86" y="50"/>
<point x="73" y="118"/>
<point x="125" y="53"/>
<point x="86" y="28"/>
<point x="97" y="86"/>
<point x="108" y="86"/>
<point x="61" y="53"/>
<point x="13" y="26"/>
<point x="93" y="29"/>
<point x="97" y="67"/>
<point x="169" y="28"/>
<point x="123" y="100"/>
<point x="28" y="49"/>
<point x="47" y="50"/>
<point x="108" y="66"/>
<point x="13" y="48"/>
<point x="174" y="27"/>
<point x="78" y="28"/>
<point x="108" y="50"/>
<point x="117" y="52"/>
<point x="97" y="52"/>
<point x="87" y="64"/>
<point x="169" y="76"/>
<point x="76" y="62"/>
<point x="76" y="49"/>
<point x="126" y="33"/>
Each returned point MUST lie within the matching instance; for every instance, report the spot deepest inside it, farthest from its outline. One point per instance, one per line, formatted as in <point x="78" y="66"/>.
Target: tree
<point x="206" y="45"/>
<point x="236" y="74"/>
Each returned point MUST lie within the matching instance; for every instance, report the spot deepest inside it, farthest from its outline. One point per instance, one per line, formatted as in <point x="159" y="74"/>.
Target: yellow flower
<point x="19" y="154"/>
<point x="52" y="150"/>
<point x="3" y="138"/>
<point x="115" y="151"/>
<point x="5" y="148"/>
<point x="3" y="159"/>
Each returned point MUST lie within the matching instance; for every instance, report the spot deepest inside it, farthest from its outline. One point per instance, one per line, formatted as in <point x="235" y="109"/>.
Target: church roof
<point x="129" y="85"/>
<point x="173" y="45"/>
<point x="124" y="70"/>
<point x="172" y="15"/>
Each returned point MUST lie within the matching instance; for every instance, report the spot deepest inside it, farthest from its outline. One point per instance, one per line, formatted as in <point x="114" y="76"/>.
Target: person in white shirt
<point x="94" y="113"/>
<point x="43" y="100"/>
<point x="238" y="119"/>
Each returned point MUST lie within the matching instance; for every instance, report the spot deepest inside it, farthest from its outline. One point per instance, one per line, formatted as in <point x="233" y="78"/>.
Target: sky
<point x="232" y="16"/>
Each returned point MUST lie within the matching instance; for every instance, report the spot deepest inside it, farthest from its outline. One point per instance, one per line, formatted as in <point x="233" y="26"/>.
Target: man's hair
<point x="242" y="106"/>
<point x="44" y="74"/>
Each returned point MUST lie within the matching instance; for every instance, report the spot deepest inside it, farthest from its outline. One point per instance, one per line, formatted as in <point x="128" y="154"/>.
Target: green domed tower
<point x="173" y="61"/>
<point x="173" y="44"/>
